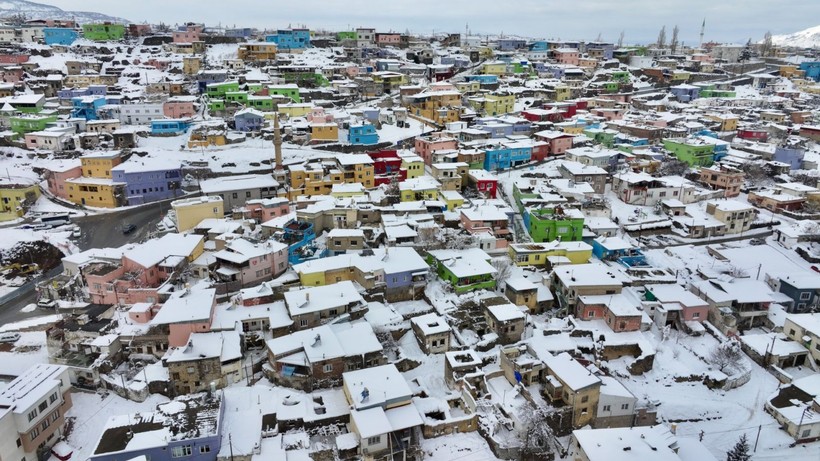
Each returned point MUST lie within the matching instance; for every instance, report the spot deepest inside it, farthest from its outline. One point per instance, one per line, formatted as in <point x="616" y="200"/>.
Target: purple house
<point x="404" y="272"/>
<point x="791" y="155"/>
<point x="684" y="92"/>
<point x="149" y="180"/>
<point x="90" y="90"/>
<point x="249" y="120"/>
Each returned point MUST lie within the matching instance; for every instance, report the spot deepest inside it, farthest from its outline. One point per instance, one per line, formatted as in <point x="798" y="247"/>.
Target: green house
<point x="30" y="123"/>
<point x="236" y="96"/>
<point x="601" y="136"/>
<point x="690" y="152"/>
<point x="218" y="90"/>
<point x="345" y="35"/>
<point x="263" y="103"/>
<point x="466" y="270"/>
<point x="288" y="91"/>
<point x="307" y="79"/>
<point x="611" y="87"/>
<point x="548" y="224"/>
<point x="620" y="76"/>
<point x="254" y="87"/>
<point x="216" y="105"/>
<point x="103" y="32"/>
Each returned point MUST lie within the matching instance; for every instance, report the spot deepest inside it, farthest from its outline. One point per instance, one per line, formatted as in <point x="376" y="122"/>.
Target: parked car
<point x="46" y="303"/>
<point x="76" y="233"/>
<point x="757" y="241"/>
<point x="128" y="228"/>
<point x="815" y="268"/>
<point x="9" y="337"/>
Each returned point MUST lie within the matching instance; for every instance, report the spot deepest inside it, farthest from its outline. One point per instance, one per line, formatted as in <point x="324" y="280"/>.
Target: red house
<point x="484" y="181"/>
<point x="387" y="166"/>
<point x="753" y="134"/>
<point x="7" y="58"/>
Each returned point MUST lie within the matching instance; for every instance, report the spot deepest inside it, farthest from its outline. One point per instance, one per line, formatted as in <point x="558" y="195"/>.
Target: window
<point x="34" y="433"/>
<point x="327" y="368"/>
<point x="55" y="416"/>
<point x="32" y="415"/>
<point x="44" y="425"/>
<point x="43" y="406"/>
<point x="585" y="399"/>
<point x="607" y="408"/>
<point x="19" y="442"/>
<point x="696" y="315"/>
<point x="625" y="406"/>
<point x="180" y="451"/>
<point x="235" y="195"/>
<point x="205" y="449"/>
<point x="303" y="322"/>
<point x="805" y="296"/>
<point x="791" y="332"/>
<point x="374" y="440"/>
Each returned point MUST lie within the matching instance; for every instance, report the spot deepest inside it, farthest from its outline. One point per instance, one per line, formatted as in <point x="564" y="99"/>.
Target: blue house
<point x="169" y="126"/>
<point x="803" y="288"/>
<point x="362" y="135"/>
<point x="505" y="155"/>
<point x="617" y="249"/>
<point x="812" y="70"/>
<point x="148" y="181"/>
<point x="206" y="77"/>
<point x="290" y="39"/>
<point x="539" y="45"/>
<point x="59" y="36"/>
<point x="240" y="32"/>
<point x="249" y="120"/>
<point x="90" y="90"/>
<point x="87" y="106"/>
<point x="684" y="92"/>
<point x="511" y="44"/>
<point x="791" y="155"/>
<point x="482" y="79"/>
<point x="188" y="427"/>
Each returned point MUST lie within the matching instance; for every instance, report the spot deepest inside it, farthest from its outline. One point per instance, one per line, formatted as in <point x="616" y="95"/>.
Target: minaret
<point x="278" y="170"/>
<point x="702" y="29"/>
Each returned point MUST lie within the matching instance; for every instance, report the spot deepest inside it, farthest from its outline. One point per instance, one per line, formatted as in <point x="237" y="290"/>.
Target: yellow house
<point x="258" y="51"/>
<point x="324" y="132"/>
<point x="295" y="109"/>
<point x="493" y="104"/>
<point x="727" y="122"/>
<point x="191" y="64"/>
<point x="441" y="105"/>
<point x="494" y="68"/>
<point x="99" y="165"/>
<point x="413" y="164"/>
<point x="96" y="192"/>
<point x="191" y="211"/>
<point x="468" y="87"/>
<point x="572" y="128"/>
<point x="310" y="179"/>
<point x="347" y="190"/>
<point x="537" y="254"/>
<point x="791" y="71"/>
<point x="562" y="93"/>
<point x="680" y="76"/>
<point x="16" y="198"/>
<point x="452" y="198"/>
<point x="421" y="188"/>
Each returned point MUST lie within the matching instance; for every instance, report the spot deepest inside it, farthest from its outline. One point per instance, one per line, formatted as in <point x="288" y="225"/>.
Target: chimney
<point x="277" y="141"/>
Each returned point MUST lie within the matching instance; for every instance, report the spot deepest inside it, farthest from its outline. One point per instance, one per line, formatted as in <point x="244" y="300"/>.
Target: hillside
<point x="34" y="10"/>
<point x="807" y="38"/>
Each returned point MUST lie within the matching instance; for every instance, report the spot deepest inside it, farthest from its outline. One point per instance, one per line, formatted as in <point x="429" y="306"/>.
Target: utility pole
<point x="757" y="438"/>
<point x="757" y="277"/>
<point x="230" y="445"/>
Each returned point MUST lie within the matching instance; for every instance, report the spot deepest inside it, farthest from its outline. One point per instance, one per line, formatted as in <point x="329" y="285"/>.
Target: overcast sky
<point x="726" y="20"/>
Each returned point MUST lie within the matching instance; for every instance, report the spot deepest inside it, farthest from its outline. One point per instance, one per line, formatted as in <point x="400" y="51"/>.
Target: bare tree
<point x="538" y="439"/>
<point x="662" y="38"/>
<point x="674" y="43"/>
<point x="503" y="268"/>
<point x="766" y="47"/>
<point x="621" y="40"/>
<point x="673" y="167"/>
<point x="726" y="356"/>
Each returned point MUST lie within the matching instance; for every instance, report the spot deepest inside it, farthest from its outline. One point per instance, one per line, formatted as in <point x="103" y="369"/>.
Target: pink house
<point x="619" y="312"/>
<point x="263" y="210"/>
<point x="192" y="33"/>
<point x="251" y="263"/>
<point x="179" y="107"/>
<point x="57" y="174"/>
<point x="159" y="64"/>
<point x="12" y="74"/>
<point x="568" y="56"/>
<point x="187" y="311"/>
<point x="675" y="298"/>
<point x="425" y="146"/>
<point x="142" y="312"/>
<point x="558" y="142"/>
<point x="389" y="39"/>
<point x="101" y="279"/>
<point x="487" y="218"/>
<point x="318" y="115"/>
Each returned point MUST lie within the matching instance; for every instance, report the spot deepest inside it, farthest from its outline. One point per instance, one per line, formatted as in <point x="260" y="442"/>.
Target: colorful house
<point x="362" y="135"/>
<point x="249" y="120"/>
<point x="483" y="181"/>
<point x="104" y="32"/>
<point x="149" y="182"/>
<point x="548" y="224"/>
<point x="290" y="40"/>
<point x="15" y="199"/>
<point x="539" y="254"/>
<point x="192" y="211"/>
<point x="87" y="107"/>
<point x="466" y="270"/>
<point x="59" y="36"/>
<point x="504" y="155"/>
<point x="289" y="90"/>
<point x="692" y="151"/>
<point x="169" y="126"/>
<point x="324" y="132"/>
